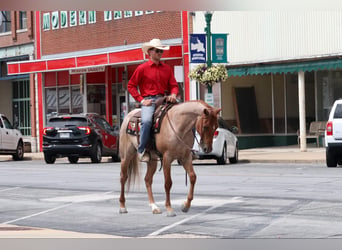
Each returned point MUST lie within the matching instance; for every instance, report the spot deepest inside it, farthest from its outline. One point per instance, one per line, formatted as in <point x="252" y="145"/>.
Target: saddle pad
<point x="134" y="124"/>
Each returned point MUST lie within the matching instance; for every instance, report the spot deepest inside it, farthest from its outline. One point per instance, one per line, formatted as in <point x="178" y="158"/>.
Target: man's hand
<point x="146" y="102"/>
<point x="172" y="98"/>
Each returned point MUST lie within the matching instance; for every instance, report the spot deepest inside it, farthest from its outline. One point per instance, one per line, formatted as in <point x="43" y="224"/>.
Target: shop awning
<point x="277" y="68"/>
<point x="83" y="61"/>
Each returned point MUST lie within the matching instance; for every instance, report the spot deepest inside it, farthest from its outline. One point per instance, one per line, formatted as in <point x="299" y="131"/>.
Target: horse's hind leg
<point x="151" y="169"/>
<point x="123" y="179"/>
<point x="192" y="177"/>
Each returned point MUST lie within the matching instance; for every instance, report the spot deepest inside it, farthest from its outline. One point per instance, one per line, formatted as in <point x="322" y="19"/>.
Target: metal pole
<point x="208" y="16"/>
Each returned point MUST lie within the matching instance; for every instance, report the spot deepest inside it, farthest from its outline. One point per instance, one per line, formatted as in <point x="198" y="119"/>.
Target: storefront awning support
<point x="302" y="121"/>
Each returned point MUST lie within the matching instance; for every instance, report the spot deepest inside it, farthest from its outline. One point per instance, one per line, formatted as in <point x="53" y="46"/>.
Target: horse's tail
<point x="133" y="172"/>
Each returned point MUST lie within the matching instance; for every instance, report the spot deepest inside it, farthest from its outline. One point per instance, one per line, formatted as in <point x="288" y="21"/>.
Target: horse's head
<point x="206" y="126"/>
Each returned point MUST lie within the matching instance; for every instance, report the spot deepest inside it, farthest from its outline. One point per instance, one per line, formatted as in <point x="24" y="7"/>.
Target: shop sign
<point x="87" y="70"/>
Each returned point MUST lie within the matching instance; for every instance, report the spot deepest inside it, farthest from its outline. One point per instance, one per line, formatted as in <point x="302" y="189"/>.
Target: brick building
<point x="84" y="59"/>
<point x="17" y="92"/>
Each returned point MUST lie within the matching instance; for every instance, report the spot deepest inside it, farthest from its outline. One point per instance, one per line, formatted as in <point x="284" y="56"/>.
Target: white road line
<point x="233" y="200"/>
<point x="33" y="215"/>
<point x="9" y="189"/>
<point x="70" y="202"/>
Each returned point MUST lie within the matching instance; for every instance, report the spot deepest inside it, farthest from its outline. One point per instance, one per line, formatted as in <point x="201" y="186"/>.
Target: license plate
<point x="64" y="135"/>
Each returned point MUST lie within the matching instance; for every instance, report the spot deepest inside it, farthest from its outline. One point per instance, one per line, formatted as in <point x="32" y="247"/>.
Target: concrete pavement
<point x="286" y="154"/>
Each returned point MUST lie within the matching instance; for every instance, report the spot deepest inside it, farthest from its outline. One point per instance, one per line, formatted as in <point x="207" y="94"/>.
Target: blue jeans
<point x="146" y="124"/>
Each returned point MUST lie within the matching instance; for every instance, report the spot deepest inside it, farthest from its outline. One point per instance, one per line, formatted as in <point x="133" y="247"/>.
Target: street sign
<point x="198" y="48"/>
<point x="209" y="98"/>
<point x="219" y="48"/>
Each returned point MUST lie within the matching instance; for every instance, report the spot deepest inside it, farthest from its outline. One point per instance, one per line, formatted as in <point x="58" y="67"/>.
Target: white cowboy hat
<point x="154" y="43"/>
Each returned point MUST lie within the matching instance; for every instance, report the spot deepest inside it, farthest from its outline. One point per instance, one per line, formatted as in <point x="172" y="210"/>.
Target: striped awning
<point x="277" y="68"/>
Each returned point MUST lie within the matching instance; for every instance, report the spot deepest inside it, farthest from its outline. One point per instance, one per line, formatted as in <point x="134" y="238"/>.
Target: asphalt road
<point x="240" y="201"/>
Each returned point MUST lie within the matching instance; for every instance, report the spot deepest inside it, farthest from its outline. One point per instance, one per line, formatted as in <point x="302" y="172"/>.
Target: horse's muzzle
<point x="206" y="148"/>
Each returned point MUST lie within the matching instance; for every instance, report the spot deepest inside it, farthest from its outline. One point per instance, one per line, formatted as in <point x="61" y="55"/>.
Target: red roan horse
<point x="174" y="142"/>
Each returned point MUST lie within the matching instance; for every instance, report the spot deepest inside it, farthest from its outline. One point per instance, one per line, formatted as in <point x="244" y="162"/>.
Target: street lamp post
<point x="208" y="15"/>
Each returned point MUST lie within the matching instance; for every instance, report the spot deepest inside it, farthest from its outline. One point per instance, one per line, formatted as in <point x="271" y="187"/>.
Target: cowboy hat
<point x="154" y="43"/>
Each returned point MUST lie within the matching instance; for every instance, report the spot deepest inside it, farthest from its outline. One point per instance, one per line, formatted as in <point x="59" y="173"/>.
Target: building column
<point x="302" y="115"/>
<point x="186" y="59"/>
<point x="108" y="88"/>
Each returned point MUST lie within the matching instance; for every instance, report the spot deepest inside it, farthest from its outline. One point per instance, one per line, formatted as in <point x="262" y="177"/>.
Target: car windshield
<point x="67" y="121"/>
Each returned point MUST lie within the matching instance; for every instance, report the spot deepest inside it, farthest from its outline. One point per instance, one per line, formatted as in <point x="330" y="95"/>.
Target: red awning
<point x="83" y="61"/>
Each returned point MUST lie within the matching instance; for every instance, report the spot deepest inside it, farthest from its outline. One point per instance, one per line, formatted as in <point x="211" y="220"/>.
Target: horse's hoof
<point x="185" y="209"/>
<point x="170" y="214"/>
<point x="123" y="210"/>
<point x="156" y="211"/>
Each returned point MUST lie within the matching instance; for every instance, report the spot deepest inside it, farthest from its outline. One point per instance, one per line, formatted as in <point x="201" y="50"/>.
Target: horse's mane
<point x="202" y="102"/>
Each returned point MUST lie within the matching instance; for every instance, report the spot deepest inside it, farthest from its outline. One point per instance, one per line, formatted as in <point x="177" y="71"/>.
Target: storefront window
<point x="96" y="99"/>
<point x="76" y="100"/>
<point x="63" y="100"/>
<point x="50" y="101"/>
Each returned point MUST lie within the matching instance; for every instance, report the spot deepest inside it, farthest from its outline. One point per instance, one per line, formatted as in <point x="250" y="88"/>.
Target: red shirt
<point x="152" y="79"/>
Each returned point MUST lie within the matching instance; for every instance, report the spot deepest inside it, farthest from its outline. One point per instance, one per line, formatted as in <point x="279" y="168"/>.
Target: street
<point x="239" y="201"/>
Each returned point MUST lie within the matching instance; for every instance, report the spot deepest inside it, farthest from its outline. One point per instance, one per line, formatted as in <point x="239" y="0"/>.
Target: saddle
<point x="133" y="126"/>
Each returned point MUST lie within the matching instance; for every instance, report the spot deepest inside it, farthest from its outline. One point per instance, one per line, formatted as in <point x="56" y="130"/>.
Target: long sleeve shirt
<point x="151" y="79"/>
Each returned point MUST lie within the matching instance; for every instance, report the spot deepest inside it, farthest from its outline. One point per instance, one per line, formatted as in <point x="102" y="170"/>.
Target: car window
<point x="338" y="111"/>
<point x="7" y="123"/>
<point x="222" y="124"/>
<point x="1" y="125"/>
<point x="103" y="123"/>
<point x="67" y="121"/>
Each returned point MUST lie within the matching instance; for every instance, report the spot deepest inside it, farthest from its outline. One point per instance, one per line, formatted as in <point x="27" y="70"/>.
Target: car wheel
<point x="49" y="159"/>
<point x="19" y="153"/>
<point x="96" y="155"/>
<point x="222" y="160"/>
<point x="330" y="158"/>
<point x="73" y="159"/>
<point x="236" y="155"/>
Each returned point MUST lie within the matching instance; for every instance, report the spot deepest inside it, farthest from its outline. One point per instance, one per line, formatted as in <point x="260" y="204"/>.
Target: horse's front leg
<point x="151" y="169"/>
<point x="167" y="186"/>
<point x="192" y="177"/>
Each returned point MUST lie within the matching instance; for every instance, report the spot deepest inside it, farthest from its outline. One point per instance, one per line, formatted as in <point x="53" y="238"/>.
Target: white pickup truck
<point x="333" y="135"/>
<point x="11" y="140"/>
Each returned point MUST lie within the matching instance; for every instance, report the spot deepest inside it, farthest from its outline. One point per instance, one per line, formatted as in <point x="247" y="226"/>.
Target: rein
<point x="180" y="139"/>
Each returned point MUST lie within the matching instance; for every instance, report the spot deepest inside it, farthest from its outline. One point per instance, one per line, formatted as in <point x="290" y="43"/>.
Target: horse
<point x="173" y="142"/>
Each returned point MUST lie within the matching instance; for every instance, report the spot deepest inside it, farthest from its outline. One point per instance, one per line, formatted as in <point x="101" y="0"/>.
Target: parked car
<point x="79" y="135"/>
<point x="11" y="140"/>
<point x="333" y="135"/>
<point x="225" y="145"/>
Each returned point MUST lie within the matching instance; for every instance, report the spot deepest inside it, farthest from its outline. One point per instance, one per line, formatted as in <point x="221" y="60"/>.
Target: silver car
<point x="11" y="140"/>
<point x="225" y="145"/>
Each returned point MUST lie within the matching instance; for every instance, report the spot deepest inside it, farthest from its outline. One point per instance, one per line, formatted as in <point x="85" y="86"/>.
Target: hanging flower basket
<point x="209" y="76"/>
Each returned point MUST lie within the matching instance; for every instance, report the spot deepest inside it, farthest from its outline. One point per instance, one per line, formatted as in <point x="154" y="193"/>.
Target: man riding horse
<point x="149" y="81"/>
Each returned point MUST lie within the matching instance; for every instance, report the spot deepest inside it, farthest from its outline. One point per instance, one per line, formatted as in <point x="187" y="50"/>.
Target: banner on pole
<point x="219" y="48"/>
<point x="198" y="48"/>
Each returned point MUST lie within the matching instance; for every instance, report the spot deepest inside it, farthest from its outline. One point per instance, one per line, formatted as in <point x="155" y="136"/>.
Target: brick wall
<point x="16" y="37"/>
<point x="102" y="34"/>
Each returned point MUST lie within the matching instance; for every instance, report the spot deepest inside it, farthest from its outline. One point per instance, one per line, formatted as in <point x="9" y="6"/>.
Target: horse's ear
<point x="206" y="111"/>
<point x="217" y="111"/>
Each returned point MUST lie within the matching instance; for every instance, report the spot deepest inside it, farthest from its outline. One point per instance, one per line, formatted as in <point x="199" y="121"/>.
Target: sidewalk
<point x="285" y="154"/>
